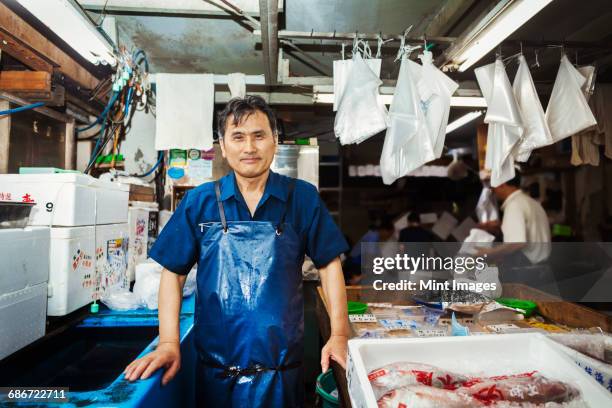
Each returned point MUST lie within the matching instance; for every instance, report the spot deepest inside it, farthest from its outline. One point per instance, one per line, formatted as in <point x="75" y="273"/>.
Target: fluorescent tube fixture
<point x="66" y="19"/>
<point x="507" y="21"/>
<point x="467" y="118"/>
<point x="456" y="101"/>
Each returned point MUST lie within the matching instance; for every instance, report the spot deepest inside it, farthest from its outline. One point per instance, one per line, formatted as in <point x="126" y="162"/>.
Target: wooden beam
<point x="25" y="81"/>
<point x="481" y="143"/>
<point x="10" y="22"/>
<point x="24" y="53"/>
<point x="45" y="111"/>
<point x="70" y="147"/>
<point x="268" y="10"/>
<point x="5" y="137"/>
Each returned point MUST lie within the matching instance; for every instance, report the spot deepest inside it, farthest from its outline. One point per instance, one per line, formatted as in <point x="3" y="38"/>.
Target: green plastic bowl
<point x="527" y="305"/>
<point x="356" y="307"/>
<point x="325" y="386"/>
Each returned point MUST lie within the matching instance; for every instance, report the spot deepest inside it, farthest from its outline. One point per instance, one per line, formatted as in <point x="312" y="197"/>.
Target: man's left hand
<point x="336" y="349"/>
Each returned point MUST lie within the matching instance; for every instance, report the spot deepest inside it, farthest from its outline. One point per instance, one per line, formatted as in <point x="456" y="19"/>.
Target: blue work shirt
<point x="178" y="246"/>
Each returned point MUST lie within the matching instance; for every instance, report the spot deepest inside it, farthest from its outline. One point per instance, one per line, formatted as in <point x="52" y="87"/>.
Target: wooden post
<point x="70" y="150"/>
<point x="481" y="143"/>
<point x="5" y="137"/>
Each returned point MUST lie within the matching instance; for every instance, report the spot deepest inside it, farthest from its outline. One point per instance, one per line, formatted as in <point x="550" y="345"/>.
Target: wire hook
<point x="537" y="61"/>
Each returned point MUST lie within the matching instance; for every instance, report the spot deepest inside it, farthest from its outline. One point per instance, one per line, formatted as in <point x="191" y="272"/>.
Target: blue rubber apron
<point x="249" y="318"/>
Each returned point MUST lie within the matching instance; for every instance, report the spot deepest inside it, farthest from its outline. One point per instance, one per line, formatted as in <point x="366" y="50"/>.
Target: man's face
<point x="249" y="146"/>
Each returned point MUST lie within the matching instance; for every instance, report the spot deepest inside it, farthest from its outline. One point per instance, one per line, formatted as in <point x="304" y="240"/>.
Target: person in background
<point x="415" y="232"/>
<point x="382" y="232"/>
<point x="415" y="239"/>
<point x="525" y="227"/>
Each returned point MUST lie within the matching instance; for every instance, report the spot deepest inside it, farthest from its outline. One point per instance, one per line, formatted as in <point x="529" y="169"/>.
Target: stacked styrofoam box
<point x="74" y="206"/>
<point x="72" y="273"/>
<point x="24" y="272"/>
<point x="64" y="199"/>
<point x="491" y="355"/>
<point x="143" y="222"/>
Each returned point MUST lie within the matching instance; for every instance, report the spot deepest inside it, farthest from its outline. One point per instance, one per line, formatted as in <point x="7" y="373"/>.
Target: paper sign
<point x="500" y="328"/>
<point x="444" y="226"/>
<point x="463" y="230"/>
<point x="428" y="218"/>
<point x="362" y="318"/>
<point x="430" y="333"/>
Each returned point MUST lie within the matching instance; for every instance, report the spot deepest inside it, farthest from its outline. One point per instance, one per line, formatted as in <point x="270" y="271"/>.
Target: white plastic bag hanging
<point x="360" y="115"/>
<point x="536" y="133"/>
<point x="408" y="141"/>
<point x="237" y="84"/>
<point x="342" y="69"/>
<point x="568" y="111"/>
<point x="435" y="90"/>
<point x="504" y="119"/>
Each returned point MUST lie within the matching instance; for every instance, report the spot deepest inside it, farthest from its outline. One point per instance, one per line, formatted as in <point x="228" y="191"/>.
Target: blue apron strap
<point x="279" y="226"/>
<point x="221" y="210"/>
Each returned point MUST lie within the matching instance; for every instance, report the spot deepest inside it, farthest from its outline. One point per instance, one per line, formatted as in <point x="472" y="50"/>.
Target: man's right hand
<point x="166" y="355"/>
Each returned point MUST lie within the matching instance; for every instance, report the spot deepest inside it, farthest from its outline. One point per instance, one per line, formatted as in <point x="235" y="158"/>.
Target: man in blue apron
<point x="248" y="233"/>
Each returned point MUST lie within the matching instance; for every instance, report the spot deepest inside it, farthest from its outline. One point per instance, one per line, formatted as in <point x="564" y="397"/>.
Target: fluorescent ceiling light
<point x="67" y="21"/>
<point x="508" y="21"/>
<point x="456" y="101"/>
<point x="467" y="118"/>
<point x="468" y="101"/>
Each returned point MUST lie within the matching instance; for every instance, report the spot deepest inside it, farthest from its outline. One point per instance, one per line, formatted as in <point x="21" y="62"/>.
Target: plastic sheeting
<point x="536" y="133"/>
<point x="435" y="90"/>
<point x="504" y="119"/>
<point x="360" y="114"/>
<point x="409" y="140"/>
<point x="418" y="117"/>
<point x="342" y="69"/>
<point x="568" y="111"/>
<point x="486" y="208"/>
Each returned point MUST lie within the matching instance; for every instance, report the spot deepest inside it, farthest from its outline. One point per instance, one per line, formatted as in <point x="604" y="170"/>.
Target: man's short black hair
<point x="242" y="108"/>
<point x="515" y="181"/>
<point x="414" y="216"/>
<point x="386" y="224"/>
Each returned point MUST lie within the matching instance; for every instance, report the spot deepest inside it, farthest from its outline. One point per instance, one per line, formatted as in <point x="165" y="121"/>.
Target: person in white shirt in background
<point x="524" y="225"/>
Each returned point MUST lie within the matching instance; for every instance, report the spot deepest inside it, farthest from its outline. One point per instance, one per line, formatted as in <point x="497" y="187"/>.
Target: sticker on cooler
<point x="111" y="264"/>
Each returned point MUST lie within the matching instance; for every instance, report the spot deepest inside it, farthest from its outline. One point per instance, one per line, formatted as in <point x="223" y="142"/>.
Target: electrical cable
<point x="100" y="118"/>
<point x="152" y="169"/>
<point x="21" y="108"/>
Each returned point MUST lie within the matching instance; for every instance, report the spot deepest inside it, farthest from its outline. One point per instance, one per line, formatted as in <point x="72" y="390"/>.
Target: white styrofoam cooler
<point x="24" y="256"/>
<point x="111" y="202"/>
<point x="22" y="318"/>
<point x="111" y="257"/>
<point x="72" y="277"/>
<point x="474" y="355"/>
<point x="68" y="199"/>
<point x="143" y="222"/>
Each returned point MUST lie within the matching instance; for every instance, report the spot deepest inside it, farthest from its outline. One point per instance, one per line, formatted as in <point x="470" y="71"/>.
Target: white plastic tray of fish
<point x="506" y="370"/>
